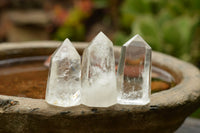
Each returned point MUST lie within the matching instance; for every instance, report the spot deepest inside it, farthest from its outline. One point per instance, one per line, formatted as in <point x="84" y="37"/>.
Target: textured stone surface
<point x="98" y="73"/>
<point x="63" y="85"/>
<point x="134" y="72"/>
<point x="190" y="125"/>
<point x="165" y="113"/>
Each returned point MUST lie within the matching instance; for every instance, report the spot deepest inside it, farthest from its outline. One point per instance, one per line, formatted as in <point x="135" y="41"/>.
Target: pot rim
<point x="187" y="91"/>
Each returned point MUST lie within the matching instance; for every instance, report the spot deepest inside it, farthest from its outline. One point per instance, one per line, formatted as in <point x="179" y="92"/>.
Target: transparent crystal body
<point x="63" y="85"/>
<point x="98" y="73"/>
<point x="134" y="72"/>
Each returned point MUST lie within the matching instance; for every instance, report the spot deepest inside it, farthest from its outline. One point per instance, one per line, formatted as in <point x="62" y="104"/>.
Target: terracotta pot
<point x="165" y="113"/>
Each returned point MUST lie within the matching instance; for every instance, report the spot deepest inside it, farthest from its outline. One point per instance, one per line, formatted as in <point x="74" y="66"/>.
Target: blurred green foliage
<point x="73" y="27"/>
<point x="168" y="26"/>
<point x="196" y="114"/>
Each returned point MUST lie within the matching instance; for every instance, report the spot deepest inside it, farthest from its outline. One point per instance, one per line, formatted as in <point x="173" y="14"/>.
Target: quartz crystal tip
<point x="102" y="39"/>
<point x="137" y="38"/>
<point x="63" y="85"/>
<point x="134" y="72"/>
<point x="98" y="73"/>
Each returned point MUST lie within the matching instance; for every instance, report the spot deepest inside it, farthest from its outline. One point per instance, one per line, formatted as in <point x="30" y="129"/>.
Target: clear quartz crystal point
<point x="98" y="73"/>
<point x="134" y="72"/>
<point x="63" y="85"/>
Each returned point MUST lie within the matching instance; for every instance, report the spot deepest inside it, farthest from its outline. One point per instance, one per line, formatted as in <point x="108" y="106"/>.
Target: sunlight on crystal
<point x="63" y="86"/>
<point x="94" y="83"/>
<point x="134" y="71"/>
<point x="98" y="73"/>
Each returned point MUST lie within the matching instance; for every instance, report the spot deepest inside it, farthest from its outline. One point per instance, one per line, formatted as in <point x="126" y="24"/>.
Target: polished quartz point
<point x="134" y="72"/>
<point x="63" y="85"/>
<point x="98" y="73"/>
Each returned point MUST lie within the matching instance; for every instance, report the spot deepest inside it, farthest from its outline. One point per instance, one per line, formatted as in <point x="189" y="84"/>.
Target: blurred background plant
<point x="170" y="26"/>
<point x="71" y="22"/>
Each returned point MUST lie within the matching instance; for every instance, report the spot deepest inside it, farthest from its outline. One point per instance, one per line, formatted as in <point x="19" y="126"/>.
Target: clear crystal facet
<point x="134" y="72"/>
<point x="63" y="86"/>
<point x="98" y="73"/>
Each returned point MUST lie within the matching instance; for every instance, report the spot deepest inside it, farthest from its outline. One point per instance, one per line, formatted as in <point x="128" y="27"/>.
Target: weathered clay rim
<point x="187" y="74"/>
<point x="187" y="92"/>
